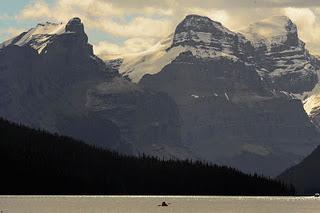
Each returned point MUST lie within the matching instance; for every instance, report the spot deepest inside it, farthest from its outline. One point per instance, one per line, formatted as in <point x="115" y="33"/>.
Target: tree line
<point x="37" y="162"/>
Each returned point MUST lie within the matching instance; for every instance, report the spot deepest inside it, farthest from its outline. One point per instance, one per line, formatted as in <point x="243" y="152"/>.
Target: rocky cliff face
<point x="284" y="62"/>
<point x="149" y="121"/>
<point x="211" y="38"/>
<point x="52" y="80"/>
<point x="281" y="57"/>
<point x="229" y="114"/>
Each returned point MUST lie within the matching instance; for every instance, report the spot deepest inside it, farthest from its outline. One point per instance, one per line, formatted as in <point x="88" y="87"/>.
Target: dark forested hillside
<point x="36" y="162"/>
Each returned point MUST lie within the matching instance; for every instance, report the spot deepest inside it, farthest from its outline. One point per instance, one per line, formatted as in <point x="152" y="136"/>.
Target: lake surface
<point x="143" y="204"/>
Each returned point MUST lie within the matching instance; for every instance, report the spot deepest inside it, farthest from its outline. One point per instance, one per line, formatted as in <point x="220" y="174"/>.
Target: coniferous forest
<point x="36" y="162"/>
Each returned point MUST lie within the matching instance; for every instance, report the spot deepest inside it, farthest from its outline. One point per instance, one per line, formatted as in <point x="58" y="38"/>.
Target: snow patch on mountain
<point x="311" y="101"/>
<point x="195" y="96"/>
<point x="152" y="61"/>
<point x="256" y="149"/>
<point x="40" y="36"/>
<point x="155" y="59"/>
<point x="312" y="105"/>
<point x="37" y="37"/>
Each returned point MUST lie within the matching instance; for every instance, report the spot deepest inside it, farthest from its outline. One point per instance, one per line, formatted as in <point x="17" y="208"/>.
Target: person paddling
<point x="164" y="204"/>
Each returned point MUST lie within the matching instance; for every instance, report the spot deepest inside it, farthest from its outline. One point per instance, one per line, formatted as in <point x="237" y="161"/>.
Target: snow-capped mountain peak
<point x="135" y="66"/>
<point x="273" y="31"/>
<point x="201" y="24"/>
<point x="40" y="36"/>
<point x="210" y="38"/>
<point x="281" y="57"/>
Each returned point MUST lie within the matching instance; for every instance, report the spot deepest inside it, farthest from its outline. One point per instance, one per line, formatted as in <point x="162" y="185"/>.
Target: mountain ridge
<point x="271" y="56"/>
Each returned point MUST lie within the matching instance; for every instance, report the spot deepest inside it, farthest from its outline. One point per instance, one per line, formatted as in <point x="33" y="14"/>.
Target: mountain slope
<point x="52" y="80"/>
<point x="305" y="175"/>
<point x="40" y="163"/>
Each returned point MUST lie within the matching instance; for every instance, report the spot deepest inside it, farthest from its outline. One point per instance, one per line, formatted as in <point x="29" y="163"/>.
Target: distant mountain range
<point x="204" y="92"/>
<point x="38" y="163"/>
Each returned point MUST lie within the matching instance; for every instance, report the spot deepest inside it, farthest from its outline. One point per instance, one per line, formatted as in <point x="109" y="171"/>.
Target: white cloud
<point x="216" y="4"/>
<point x="308" y="25"/>
<point x="100" y="15"/>
<point x="108" y="50"/>
<point x="137" y="27"/>
<point x="7" y="33"/>
<point x="38" y="9"/>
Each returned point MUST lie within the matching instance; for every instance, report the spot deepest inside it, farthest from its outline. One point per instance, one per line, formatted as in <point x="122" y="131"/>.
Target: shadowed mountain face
<point x="230" y="113"/>
<point x="150" y="121"/>
<point x="305" y="175"/>
<point x="51" y="79"/>
<point x="47" y="89"/>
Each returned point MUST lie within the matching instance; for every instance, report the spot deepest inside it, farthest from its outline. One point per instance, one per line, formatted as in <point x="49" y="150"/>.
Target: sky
<point x="117" y="27"/>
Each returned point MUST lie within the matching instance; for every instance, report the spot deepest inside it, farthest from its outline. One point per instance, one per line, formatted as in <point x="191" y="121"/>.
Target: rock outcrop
<point x="281" y="57"/>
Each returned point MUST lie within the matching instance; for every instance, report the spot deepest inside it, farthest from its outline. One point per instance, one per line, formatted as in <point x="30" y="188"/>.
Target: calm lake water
<point x="142" y="204"/>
